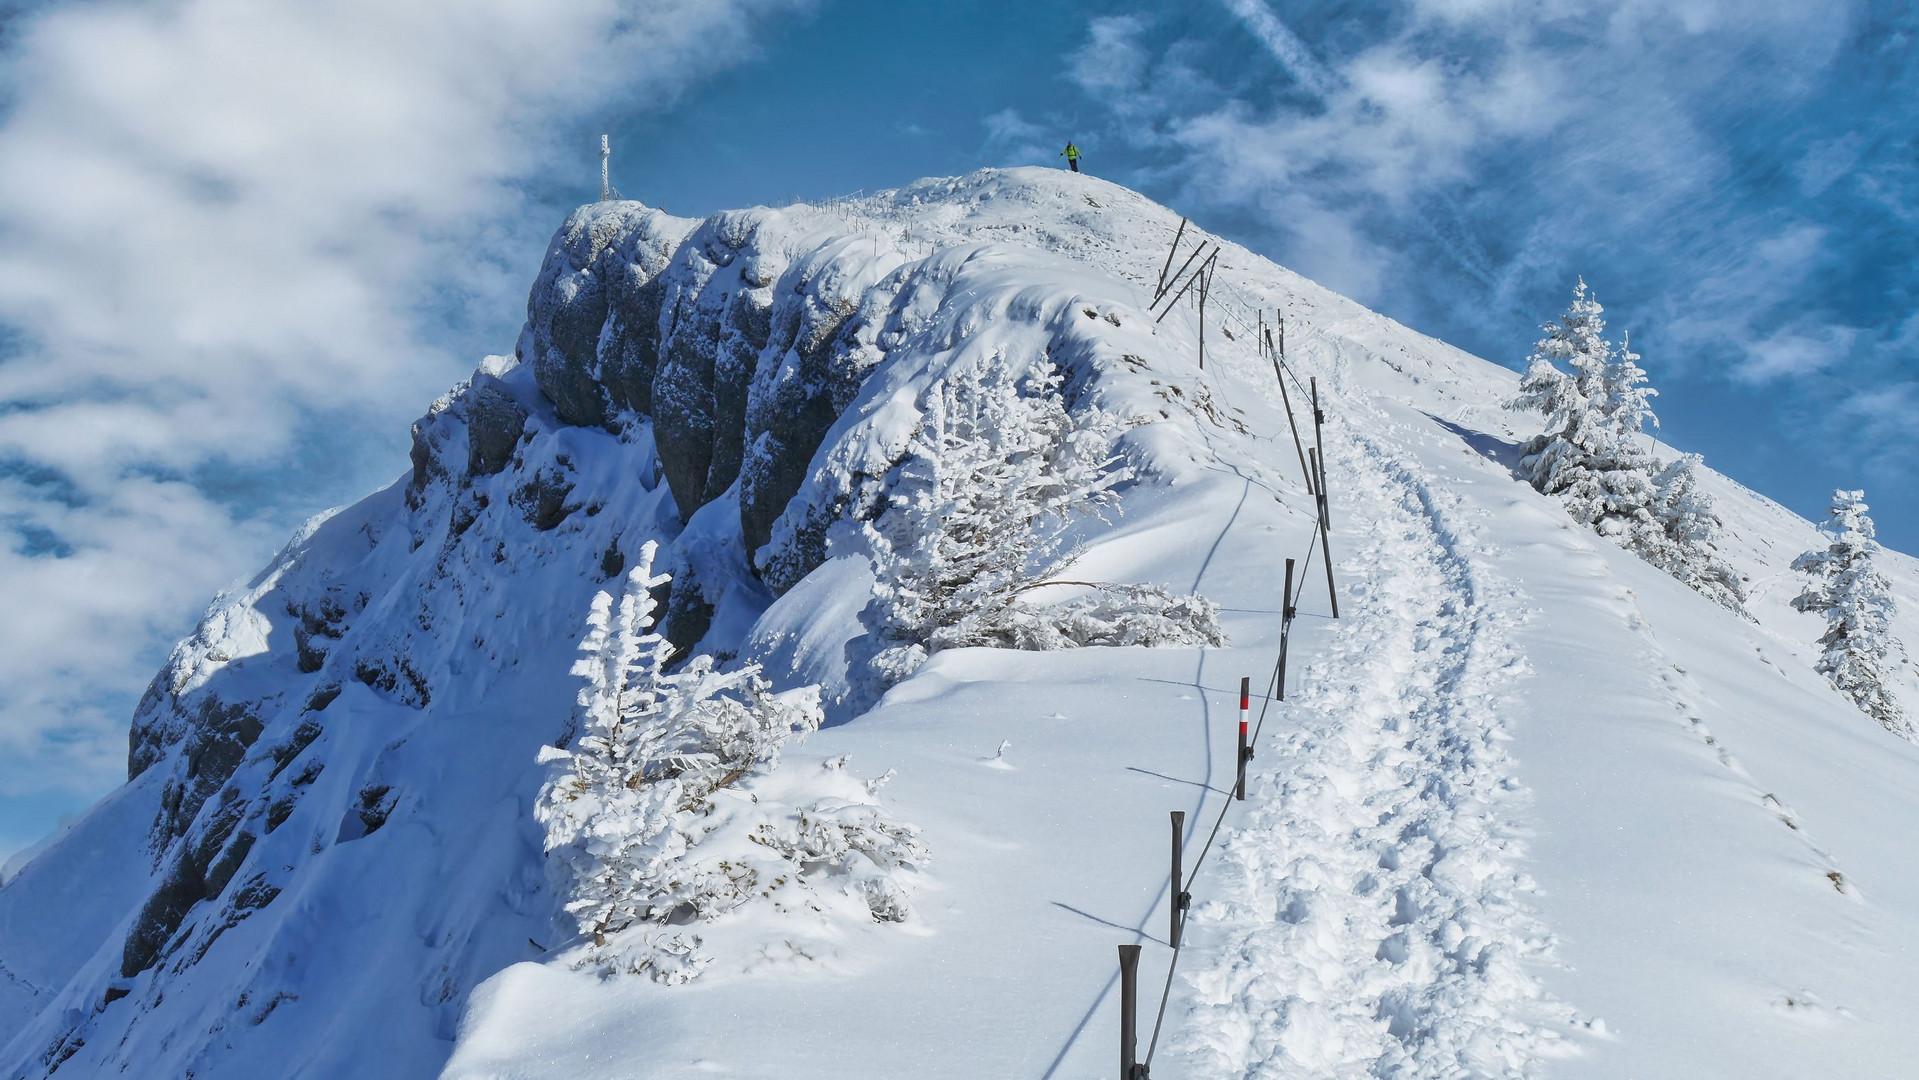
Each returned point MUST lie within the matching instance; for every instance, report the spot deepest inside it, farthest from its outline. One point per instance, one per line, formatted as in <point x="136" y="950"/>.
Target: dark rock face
<point x="544" y="499"/>
<point x="485" y="414"/>
<point x="823" y="345"/>
<point x="199" y="869"/>
<point x="716" y="296"/>
<point x="217" y="739"/>
<point x="494" y="421"/>
<point x="592" y="317"/>
<point x="742" y="355"/>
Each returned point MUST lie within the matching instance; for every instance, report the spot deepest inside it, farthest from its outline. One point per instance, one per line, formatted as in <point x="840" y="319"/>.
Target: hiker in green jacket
<point x="1071" y="154"/>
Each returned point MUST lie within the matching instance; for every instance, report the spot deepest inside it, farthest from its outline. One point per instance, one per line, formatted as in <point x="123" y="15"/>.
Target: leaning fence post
<point x="1319" y="497"/>
<point x="1245" y="745"/>
<point x="1312" y="381"/>
<point x="1170" y="304"/>
<point x="1279" y="372"/>
<point x="1170" y="252"/>
<point x="1128" y="1008"/>
<point x="1325" y="527"/>
<point x="1181" y="898"/>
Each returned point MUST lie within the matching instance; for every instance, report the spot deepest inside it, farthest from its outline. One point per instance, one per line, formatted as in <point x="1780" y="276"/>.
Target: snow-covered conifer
<point x="631" y="805"/>
<point x="1589" y="455"/>
<point x="1627" y="404"/>
<point x="980" y="510"/>
<point x="1586" y="455"/>
<point x="1856" y="600"/>
<point x="1689" y="549"/>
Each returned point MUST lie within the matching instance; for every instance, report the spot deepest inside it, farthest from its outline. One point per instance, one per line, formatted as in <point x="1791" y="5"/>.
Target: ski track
<point x="1367" y="919"/>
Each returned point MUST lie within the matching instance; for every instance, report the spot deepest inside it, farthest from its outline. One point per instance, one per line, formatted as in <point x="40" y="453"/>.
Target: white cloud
<point x="236" y="238"/>
<point x="1604" y="113"/>
<point x="1012" y="139"/>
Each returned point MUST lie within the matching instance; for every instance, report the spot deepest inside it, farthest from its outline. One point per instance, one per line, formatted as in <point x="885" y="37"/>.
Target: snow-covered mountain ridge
<point x="1535" y="808"/>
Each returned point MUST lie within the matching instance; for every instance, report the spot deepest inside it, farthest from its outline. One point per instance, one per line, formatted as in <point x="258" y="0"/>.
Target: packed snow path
<point x="1366" y="919"/>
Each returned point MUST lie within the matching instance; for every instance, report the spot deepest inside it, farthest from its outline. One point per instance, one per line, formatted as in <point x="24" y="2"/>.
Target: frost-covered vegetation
<point x="1856" y="600"/>
<point x="651" y="819"/>
<point x="979" y="514"/>
<point x="1590" y="456"/>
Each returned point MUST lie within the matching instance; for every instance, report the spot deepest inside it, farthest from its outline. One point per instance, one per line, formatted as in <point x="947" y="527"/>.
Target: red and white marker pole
<point x="1245" y="745"/>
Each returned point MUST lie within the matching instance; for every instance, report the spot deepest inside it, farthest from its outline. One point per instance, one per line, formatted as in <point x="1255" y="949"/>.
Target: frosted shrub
<point x="1590" y="458"/>
<point x="1856" y="600"/>
<point x="653" y="822"/>
<point x="978" y="512"/>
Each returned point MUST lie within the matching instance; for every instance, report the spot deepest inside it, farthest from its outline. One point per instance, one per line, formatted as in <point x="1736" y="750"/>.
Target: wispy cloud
<point x="240" y="246"/>
<point x="1285" y="46"/>
<point x="1735" y="175"/>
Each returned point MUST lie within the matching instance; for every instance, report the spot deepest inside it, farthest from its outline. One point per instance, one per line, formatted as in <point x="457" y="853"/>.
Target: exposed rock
<point x="542" y="500"/>
<point x="822" y="346"/>
<point x="216" y="744"/>
<point x="494" y="421"/>
<point x="592" y="320"/>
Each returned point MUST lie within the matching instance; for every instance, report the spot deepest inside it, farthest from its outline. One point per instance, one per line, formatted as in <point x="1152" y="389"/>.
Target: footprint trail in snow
<point x="1367" y="918"/>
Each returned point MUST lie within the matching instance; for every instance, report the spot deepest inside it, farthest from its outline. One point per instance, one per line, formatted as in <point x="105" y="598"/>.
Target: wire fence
<point x="1196" y="273"/>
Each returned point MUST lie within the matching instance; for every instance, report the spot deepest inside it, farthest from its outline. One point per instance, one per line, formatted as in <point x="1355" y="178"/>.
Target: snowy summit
<point x="786" y="661"/>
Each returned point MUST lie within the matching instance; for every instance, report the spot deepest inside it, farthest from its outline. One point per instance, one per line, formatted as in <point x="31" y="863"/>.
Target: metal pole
<point x="1181" y="898"/>
<point x="1319" y="497"/>
<point x="1170" y="252"/>
<point x="1128" y="1008"/>
<point x="1285" y="627"/>
<point x="1280" y="374"/>
<point x="1286" y="609"/>
<point x="1318" y="416"/>
<point x="1205" y="284"/>
<point x="1179" y="273"/>
<point x="1325" y="533"/>
<point x="1191" y="278"/>
<point x="1245" y="744"/>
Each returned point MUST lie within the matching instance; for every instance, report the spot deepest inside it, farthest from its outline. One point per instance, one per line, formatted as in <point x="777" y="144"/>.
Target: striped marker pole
<point x="1245" y="747"/>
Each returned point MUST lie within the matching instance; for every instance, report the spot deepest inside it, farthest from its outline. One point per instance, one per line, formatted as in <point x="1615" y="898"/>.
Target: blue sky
<point x="238" y="260"/>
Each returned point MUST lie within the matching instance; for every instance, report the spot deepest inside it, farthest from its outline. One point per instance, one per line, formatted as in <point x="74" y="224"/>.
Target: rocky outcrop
<point x="751" y="354"/>
<point x="592" y="317"/>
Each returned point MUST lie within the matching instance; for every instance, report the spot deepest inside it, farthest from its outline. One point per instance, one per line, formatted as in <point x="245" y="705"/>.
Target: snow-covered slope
<point x="1533" y="808"/>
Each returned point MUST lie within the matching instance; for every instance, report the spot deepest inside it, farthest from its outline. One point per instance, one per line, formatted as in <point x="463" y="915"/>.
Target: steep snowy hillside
<point x="1532" y="808"/>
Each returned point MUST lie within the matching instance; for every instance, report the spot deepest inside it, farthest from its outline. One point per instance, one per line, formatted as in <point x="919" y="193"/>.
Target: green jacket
<point x="1071" y="153"/>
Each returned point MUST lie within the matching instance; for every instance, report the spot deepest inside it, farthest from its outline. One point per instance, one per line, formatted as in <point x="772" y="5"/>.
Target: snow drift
<point x="1534" y="807"/>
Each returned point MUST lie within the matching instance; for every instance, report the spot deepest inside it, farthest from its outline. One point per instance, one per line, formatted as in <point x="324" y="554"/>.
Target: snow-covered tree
<point x="980" y="510"/>
<point x="1856" y="600"/>
<point x="1590" y="456"/>
<point x="629" y="807"/>
<point x="1689" y="548"/>
<point x="1586" y="455"/>
<point x="1627" y="404"/>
